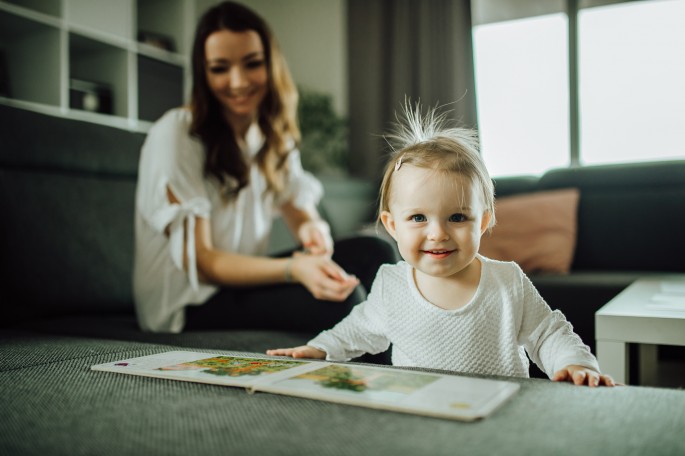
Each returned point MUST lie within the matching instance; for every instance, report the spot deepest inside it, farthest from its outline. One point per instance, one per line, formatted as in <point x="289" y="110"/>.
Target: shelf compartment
<point x="161" y="24"/>
<point x="107" y="18"/>
<point x="49" y="7"/>
<point x="160" y="88"/>
<point x="29" y="60"/>
<point x="100" y="70"/>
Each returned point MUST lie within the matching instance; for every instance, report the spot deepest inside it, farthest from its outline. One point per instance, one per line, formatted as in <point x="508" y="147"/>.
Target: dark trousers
<point x="291" y="306"/>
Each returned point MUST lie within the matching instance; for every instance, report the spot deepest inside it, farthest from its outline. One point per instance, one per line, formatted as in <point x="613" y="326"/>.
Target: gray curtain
<point x="421" y="49"/>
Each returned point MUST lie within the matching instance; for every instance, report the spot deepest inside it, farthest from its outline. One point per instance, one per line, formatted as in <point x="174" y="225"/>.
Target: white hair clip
<point x="398" y="163"/>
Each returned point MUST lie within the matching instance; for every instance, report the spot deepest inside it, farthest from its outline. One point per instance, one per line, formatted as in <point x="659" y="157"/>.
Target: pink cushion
<point x="536" y="230"/>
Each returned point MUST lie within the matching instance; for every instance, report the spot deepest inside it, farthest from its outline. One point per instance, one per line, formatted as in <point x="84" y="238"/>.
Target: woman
<point x="213" y="175"/>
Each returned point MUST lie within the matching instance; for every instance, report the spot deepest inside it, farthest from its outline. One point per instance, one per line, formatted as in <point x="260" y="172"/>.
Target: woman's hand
<point x="580" y="375"/>
<point x="315" y="236"/>
<point x="305" y="351"/>
<point x="322" y="277"/>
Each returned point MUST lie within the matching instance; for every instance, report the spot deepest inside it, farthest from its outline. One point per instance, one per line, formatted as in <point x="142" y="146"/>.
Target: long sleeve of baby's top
<point x="547" y="336"/>
<point x="362" y="331"/>
<point x="489" y="335"/>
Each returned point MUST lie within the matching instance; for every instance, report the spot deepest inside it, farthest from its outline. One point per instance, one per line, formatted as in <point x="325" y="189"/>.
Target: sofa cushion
<point x="39" y="141"/>
<point x="123" y="327"/>
<point x="68" y="245"/>
<point x="536" y="230"/>
<point x="68" y="192"/>
<point x="514" y="185"/>
<point x="630" y="216"/>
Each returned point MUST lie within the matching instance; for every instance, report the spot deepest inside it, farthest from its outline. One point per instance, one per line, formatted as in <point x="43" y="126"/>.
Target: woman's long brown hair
<point x="277" y="116"/>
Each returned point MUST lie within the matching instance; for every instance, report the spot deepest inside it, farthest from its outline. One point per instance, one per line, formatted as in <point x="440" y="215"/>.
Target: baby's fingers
<point x="304" y="351"/>
<point x="579" y="377"/>
<point x="562" y="375"/>
<point x="570" y="375"/>
<point x="607" y="380"/>
<point x="280" y="352"/>
<point x="582" y="376"/>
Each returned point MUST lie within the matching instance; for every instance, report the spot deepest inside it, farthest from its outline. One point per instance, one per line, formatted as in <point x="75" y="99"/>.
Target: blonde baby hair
<point x="425" y="141"/>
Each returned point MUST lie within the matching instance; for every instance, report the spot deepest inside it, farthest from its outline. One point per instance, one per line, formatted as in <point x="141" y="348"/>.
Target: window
<point x="631" y="98"/>
<point x="521" y="91"/>
<point x="632" y="82"/>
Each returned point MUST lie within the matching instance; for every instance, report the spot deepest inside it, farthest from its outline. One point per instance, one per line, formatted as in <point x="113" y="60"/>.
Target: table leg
<point x="613" y="358"/>
<point x="647" y="360"/>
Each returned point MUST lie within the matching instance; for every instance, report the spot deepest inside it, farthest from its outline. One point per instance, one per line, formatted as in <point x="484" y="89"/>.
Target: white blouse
<point x="171" y="157"/>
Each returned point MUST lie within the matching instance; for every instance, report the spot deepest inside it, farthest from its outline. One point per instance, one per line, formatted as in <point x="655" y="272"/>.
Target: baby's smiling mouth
<point x="440" y="253"/>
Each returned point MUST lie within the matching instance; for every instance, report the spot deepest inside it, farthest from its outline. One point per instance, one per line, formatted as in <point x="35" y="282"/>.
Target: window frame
<point x="489" y="11"/>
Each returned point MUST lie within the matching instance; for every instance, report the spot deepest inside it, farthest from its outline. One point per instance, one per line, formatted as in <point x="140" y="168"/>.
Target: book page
<point x="217" y="369"/>
<point x="445" y="396"/>
<point x="423" y="393"/>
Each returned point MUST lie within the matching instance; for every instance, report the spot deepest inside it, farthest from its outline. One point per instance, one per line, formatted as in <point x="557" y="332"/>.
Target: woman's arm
<point x="318" y="273"/>
<point x="309" y="228"/>
<point x="215" y="266"/>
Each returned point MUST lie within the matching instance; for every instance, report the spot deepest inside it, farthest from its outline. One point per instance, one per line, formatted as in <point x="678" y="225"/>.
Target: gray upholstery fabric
<point x="36" y="141"/>
<point x="516" y="184"/>
<point x="70" y="244"/>
<point x="68" y="192"/>
<point x="124" y="327"/>
<point x="617" y="203"/>
<point x="58" y="406"/>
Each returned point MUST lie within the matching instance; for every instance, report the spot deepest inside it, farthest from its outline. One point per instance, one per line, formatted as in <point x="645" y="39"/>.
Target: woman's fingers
<point x="323" y="277"/>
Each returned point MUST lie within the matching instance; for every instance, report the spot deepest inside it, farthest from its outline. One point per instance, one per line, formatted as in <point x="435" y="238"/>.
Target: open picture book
<point x="400" y="390"/>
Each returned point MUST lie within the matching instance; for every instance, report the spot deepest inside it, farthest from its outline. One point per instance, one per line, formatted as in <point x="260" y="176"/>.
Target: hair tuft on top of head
<point x="414" y="127"/>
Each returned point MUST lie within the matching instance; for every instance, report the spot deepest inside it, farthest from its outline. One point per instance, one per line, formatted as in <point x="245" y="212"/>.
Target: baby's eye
<point x="458" y="218"/>
<point x="418" y="218"/>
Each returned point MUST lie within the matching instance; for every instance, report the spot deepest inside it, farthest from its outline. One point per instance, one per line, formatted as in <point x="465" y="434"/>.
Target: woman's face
<point x="236" y="72"/>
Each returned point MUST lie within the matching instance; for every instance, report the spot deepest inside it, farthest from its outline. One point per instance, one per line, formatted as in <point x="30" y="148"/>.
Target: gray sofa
<point x="631" y="220"/>
<point x="67" y="195"/>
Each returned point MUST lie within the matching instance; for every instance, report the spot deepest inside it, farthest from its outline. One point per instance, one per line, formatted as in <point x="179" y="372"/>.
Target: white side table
<point x="649" y="312"/>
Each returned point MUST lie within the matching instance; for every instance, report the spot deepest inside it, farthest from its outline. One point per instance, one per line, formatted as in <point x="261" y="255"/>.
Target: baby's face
<point x="437" y="220"/>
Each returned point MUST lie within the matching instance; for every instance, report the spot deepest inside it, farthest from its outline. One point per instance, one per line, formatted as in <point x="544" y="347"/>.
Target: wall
<point x="312" y="35"/>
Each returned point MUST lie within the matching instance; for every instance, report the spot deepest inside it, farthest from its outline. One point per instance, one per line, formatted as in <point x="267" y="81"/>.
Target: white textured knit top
<point x="171" y="157"/>
<point x="491" y="334"/>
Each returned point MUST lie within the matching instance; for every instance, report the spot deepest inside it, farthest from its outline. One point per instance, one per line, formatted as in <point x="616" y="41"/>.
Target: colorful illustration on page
<point x="229" y="366"/>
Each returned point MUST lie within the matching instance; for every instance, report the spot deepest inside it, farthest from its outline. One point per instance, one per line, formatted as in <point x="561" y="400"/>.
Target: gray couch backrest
<point x="66" y="242"/>
<point x="631" y="217"/>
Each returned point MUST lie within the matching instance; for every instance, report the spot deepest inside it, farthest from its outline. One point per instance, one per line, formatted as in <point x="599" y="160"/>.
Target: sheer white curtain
<point x="414" y="48"/>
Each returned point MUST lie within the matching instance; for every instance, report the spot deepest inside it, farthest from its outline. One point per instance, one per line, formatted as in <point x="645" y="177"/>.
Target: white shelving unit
<point x="117" y="62"/>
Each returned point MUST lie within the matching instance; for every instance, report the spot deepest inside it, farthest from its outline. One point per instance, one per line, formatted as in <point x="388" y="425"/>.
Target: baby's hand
<point x="305" y="351"/>
<point x="581" y="375"/>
